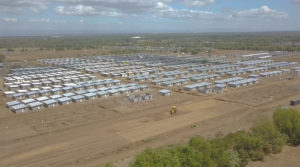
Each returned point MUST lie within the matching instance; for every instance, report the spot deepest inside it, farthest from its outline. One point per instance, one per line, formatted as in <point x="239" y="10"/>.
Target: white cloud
<point x="76" y="10"/>
<point x="83" y="10"/>
<point x="187" y="14"/>
<point x="138" y="8"/>
<point x="122" y="6"/>
<point x="18" y="6"/>
<point x="263" y="12"/>
<point x="10" y="20"/>
<point x="41" y="20"/>
<point x="165" y="11"/>
<point x="198" y="3"/>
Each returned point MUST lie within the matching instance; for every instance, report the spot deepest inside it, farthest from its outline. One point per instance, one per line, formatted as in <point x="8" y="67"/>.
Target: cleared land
<point x="104" y="130"/>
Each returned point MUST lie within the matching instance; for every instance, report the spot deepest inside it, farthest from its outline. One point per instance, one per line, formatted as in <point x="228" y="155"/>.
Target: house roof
<point x="51" y="101"/>
<point x="28" y="101"/>
<point x="92" y="90"/>
<point x="12" y="103"/>
<point x="102" y="93"/>
<point x="165" y="91"/>
<point x="64" y="99"/>
<point x="68" y="94"/>
<point x="80" y="92"/>
<point x="19" y="106"/>
<point x="35" y="104"/>
<point x="42" y="98"/>
<point x="90" y="94"/>
<point x="77" y="97"/>
<point x="56" y="96"/>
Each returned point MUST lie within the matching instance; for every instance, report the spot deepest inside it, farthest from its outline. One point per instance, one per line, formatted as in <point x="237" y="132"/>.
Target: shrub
<point x="200" y="144"/>
<point x="246" y="145"/>
<point x="219" y="151"/>
<point x="2" y="58"/>
<point x="109" y="165"/>
<point x="288" y="122"/>
<point x="158" y="158"/>
<point x="228" y="158"/>
<point x="190" y="157"/>
<point x="10" y="49"/>
<point x="273" y="140"/>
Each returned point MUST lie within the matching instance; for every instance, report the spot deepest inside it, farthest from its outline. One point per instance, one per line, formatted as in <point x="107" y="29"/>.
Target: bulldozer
<point x="173" y="110"/>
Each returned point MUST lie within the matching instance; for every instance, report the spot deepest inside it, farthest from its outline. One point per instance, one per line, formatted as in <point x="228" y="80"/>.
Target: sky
<point x="51" y="17"/>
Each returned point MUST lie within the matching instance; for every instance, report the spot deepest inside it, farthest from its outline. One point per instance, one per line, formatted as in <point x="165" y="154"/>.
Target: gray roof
<point x="35" y="104"/>
<point x="19" y="106"/>
<point x="55" y="89"/>
<point x="44" y="91"/>
<point x="102" y="93"/>
<point x="80" y="92"/>
<point x="68" y="94"/>
<point x="31" y="93"/>
<point x="165" y="91"/>
<point x="26" y="101"/>
<point x="103" y="89"/>
<point x="51" y="101"/>
<point x="67" y="88"/>
<point x="77" y="97"/>
<point x="12" y="103"/>
<point x="64" y="99"/>
<point x="55" y="96"/>
<point x="90" y="94"/>
<point x="18" y="94"/>
<point x="220" y="86"/>
<point x="92" y="90"/>
<point x="42" y="98"/>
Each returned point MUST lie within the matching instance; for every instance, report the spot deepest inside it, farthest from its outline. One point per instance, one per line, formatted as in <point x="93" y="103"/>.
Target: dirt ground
<point x="288" y="157"/>
<point x="114" y="130"/>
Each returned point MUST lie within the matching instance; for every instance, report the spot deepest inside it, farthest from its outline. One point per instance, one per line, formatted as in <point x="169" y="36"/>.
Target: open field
<point x="114" y="130"/>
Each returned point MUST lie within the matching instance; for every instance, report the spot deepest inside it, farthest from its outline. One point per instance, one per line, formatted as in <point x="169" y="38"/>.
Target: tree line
<point x="189" y="43"/>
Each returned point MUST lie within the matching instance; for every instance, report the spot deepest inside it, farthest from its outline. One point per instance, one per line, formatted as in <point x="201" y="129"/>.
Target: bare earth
<point x="288" y="157"/>
<point x="114" y="130"/>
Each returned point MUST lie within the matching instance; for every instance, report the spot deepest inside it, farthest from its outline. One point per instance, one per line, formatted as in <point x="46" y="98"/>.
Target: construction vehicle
<point x="174" y="110"/>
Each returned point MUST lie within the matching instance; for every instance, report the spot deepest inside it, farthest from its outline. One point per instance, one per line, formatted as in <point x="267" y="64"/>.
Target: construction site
<point x="92" y="110"/>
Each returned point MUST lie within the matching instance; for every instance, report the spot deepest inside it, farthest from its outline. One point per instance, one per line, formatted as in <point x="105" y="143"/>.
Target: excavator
<point x="174" y="110"/>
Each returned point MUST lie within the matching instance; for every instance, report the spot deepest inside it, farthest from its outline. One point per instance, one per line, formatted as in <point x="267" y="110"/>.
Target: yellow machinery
<point x="173" y="111"/>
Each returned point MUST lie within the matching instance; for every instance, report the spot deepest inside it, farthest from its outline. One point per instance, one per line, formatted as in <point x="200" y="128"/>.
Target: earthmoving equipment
<point x="174" y="110"/>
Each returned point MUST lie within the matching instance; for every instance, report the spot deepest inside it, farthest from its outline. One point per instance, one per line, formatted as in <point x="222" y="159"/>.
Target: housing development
<point x="72" y="80"/>
<point x="149" y="83"/>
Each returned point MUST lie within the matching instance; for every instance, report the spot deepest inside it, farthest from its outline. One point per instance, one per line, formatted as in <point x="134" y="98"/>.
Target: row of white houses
<point x="244" y="82"/>
<point x="58" y="89"/>
<point x="67" y="98"/>
<point x="214" y="68"/>
<point x="280" y="65"/>
<point x="111" y="69"/>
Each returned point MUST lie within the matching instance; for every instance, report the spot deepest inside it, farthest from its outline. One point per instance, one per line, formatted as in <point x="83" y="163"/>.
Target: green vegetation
<point x="10" y="50"/>
<point x="109" y="165"/>
<point x="188" y="43"/>
<point x="233" y="150"/>
<point x="2" y="58"/>
<point x="288" y="122"/>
